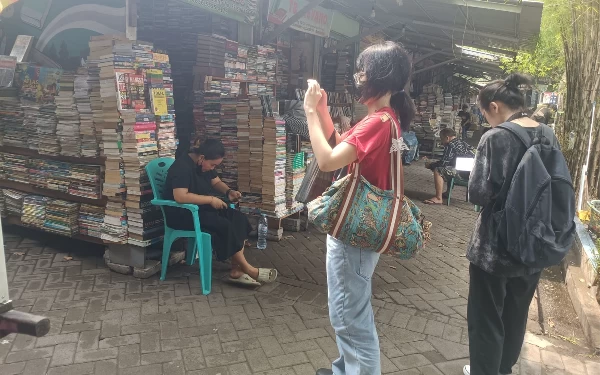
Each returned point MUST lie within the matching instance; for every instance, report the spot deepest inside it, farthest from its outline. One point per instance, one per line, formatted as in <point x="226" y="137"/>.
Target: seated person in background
<point x="444" y="170"/>
<point x="465" y="120"/>
<point x="192" y="179"/>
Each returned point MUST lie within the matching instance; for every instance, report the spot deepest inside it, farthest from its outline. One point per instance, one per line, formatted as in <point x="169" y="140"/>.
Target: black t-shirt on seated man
<point x="185" y="174"/>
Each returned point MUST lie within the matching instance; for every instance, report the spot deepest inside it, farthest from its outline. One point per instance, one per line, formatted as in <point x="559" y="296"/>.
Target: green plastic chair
<point x="457" y="181"/>
<point x="199" y="243"/>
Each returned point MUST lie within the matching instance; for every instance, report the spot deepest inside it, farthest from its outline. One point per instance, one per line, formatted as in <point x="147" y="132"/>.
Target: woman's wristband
<point x="227" y="193"/>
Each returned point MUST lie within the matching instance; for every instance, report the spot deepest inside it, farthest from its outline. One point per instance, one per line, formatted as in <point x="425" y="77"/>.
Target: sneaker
<point x="467" y="370"/>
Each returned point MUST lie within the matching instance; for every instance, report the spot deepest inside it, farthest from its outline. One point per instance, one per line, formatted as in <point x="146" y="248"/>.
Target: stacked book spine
<point x="67" y="115"/>
<point x="243" y="146"/>
<point x="255" y="130"/>
<point x="89" y="141"/>
<point x="11" y="116"/>
<point x="274" y="160"/>
<point x="229" y="167"/>
<point x="113" y="97"/>
<point x="165" y="124"/>
<point x="295" y="169"/>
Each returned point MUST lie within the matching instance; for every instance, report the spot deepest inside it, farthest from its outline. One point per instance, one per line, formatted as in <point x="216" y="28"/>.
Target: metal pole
<point x="587" y="160"/>
<point x="4" y="296"/>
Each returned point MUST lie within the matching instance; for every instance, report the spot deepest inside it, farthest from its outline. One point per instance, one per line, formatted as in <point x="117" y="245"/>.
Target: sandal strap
<point x="267" y="275"/>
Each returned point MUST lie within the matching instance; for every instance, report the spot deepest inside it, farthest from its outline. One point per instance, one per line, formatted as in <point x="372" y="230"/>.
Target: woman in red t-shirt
<point x="383" y="70"/>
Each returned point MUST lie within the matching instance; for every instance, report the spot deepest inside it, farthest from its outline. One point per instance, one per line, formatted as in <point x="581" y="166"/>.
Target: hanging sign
<point x="239" y="10"/>
<point x="316" y="21"/>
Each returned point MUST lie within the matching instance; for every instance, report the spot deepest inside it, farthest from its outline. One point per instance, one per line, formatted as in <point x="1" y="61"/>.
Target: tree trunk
<point x="581" y="35"/>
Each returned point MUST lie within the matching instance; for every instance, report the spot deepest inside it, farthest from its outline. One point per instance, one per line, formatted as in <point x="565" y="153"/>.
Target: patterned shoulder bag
<point x="362" y="215"/>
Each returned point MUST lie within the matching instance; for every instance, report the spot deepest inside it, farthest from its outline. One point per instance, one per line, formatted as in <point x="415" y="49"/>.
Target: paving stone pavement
<point x="105" y="323"/>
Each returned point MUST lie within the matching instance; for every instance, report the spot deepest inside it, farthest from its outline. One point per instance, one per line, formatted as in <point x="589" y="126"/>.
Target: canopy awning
<point x="469" y="32"/>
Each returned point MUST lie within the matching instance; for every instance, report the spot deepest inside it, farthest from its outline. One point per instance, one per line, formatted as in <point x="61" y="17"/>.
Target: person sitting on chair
<point x="192" y="179"/>
<point x="444" y="170"/>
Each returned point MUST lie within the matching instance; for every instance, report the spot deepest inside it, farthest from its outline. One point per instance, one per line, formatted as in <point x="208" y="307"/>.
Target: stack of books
<point x="37" y="88"/>
<point x="166" y="137"/>
<point x="210" y="58"/>
<point x="243" y="146"/>
<point x="295" y="169"/>
<point x="198" y="113"/>
<point x="67" y="129"/>
<point x="283" y="75"/>
<point x="62" y="217"/>
<point x="231" y="59"/>
<point x="212" y="115"/>
<point x="145" y="220"/>
<point x="274" y="158"/>
<point x="229" y="169"/>
<point x="252" y="64"/>
<point x="87" y="129"/>
<point x="85" y="181"/>
<point x="16" y="168"/>
<point x="255" y="129"/>
<point x="26" y="136"/>
<point x="143" y="229"/>
<point x="102" y="56"/>
<point x="34" y="211"/>
<point x="45" y="124"/>
<point x="266" y="63"/>
<point x="167" y="141"/>
<point x="13" y="202"/>
<point x="91" y="219"/>
<point x="11" y="116"/>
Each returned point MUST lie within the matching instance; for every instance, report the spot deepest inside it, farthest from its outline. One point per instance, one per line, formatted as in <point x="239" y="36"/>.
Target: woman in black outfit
<point x="500" y="288"/>
<point x="192" y="179"/>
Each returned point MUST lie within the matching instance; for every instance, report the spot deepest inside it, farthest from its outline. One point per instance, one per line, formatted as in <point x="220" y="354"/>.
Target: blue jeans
<point x="349" y="272"/>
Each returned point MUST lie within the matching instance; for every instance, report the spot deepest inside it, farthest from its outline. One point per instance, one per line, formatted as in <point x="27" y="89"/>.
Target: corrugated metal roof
<point x="494" y="26"/>
<point x="503" y="24"/>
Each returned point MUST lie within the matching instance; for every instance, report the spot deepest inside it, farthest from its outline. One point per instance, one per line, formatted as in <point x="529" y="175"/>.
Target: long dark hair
<point x="212" y="149"/>
<point x="387" y="68"/>
<point x="505" y="91"/>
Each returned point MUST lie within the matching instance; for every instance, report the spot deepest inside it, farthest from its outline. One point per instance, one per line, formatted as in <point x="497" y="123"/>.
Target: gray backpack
<point x="537" y="224"/>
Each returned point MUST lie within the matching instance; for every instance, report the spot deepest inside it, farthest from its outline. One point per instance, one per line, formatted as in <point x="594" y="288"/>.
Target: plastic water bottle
<point x="262" y="233"/>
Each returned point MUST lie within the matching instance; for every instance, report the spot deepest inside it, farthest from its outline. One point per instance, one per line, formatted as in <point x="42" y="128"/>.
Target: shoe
<point x="324" y="371"/>
<point x="467" y="370"/>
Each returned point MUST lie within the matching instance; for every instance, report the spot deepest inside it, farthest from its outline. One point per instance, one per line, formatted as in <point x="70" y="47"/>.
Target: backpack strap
<point x="518" y="131"/>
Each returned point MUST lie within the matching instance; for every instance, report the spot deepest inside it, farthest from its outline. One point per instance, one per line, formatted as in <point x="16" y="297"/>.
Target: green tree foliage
<point x="546" y="60"/>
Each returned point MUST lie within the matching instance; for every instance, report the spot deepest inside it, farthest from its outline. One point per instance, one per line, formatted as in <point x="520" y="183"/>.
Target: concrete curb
<point x="580" y="277"/>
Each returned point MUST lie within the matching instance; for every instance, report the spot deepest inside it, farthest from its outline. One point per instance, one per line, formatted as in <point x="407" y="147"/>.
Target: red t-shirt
<point x="371" y="137"/>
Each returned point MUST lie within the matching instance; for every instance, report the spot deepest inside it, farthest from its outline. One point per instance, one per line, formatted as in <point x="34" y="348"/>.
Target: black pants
<point x="497" y="319"/>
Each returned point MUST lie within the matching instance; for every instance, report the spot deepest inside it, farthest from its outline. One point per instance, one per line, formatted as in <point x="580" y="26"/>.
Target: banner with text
<point x="239" y="10"/>
<point x="316" y="22"/>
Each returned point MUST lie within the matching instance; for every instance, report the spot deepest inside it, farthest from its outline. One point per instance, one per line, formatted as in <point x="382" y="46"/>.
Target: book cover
<point x="22" y="47"/>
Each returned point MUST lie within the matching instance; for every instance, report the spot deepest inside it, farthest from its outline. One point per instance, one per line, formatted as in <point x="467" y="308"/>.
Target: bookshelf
<point x="30" y="189"/>
<point x="67" y="159"/>
<point x="15" y="220"/>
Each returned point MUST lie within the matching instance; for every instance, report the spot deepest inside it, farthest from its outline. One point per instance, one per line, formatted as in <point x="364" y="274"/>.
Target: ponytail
<point x="405" y="109"/>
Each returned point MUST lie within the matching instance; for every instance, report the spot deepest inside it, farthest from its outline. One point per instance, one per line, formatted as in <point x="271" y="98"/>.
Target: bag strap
<point x="396" y="168"/>
<point x="518" y="131"/>
<point x="396" y="174"/>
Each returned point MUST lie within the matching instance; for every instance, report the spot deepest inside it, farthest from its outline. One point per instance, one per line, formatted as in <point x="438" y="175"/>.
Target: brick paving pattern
<point x="105" y="323"/>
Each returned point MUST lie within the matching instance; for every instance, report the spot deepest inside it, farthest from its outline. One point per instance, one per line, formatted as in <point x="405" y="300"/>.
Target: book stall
<point x="74" y="144"/>
<point x="436" y="110"/>
<point x="234" y="90"/>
